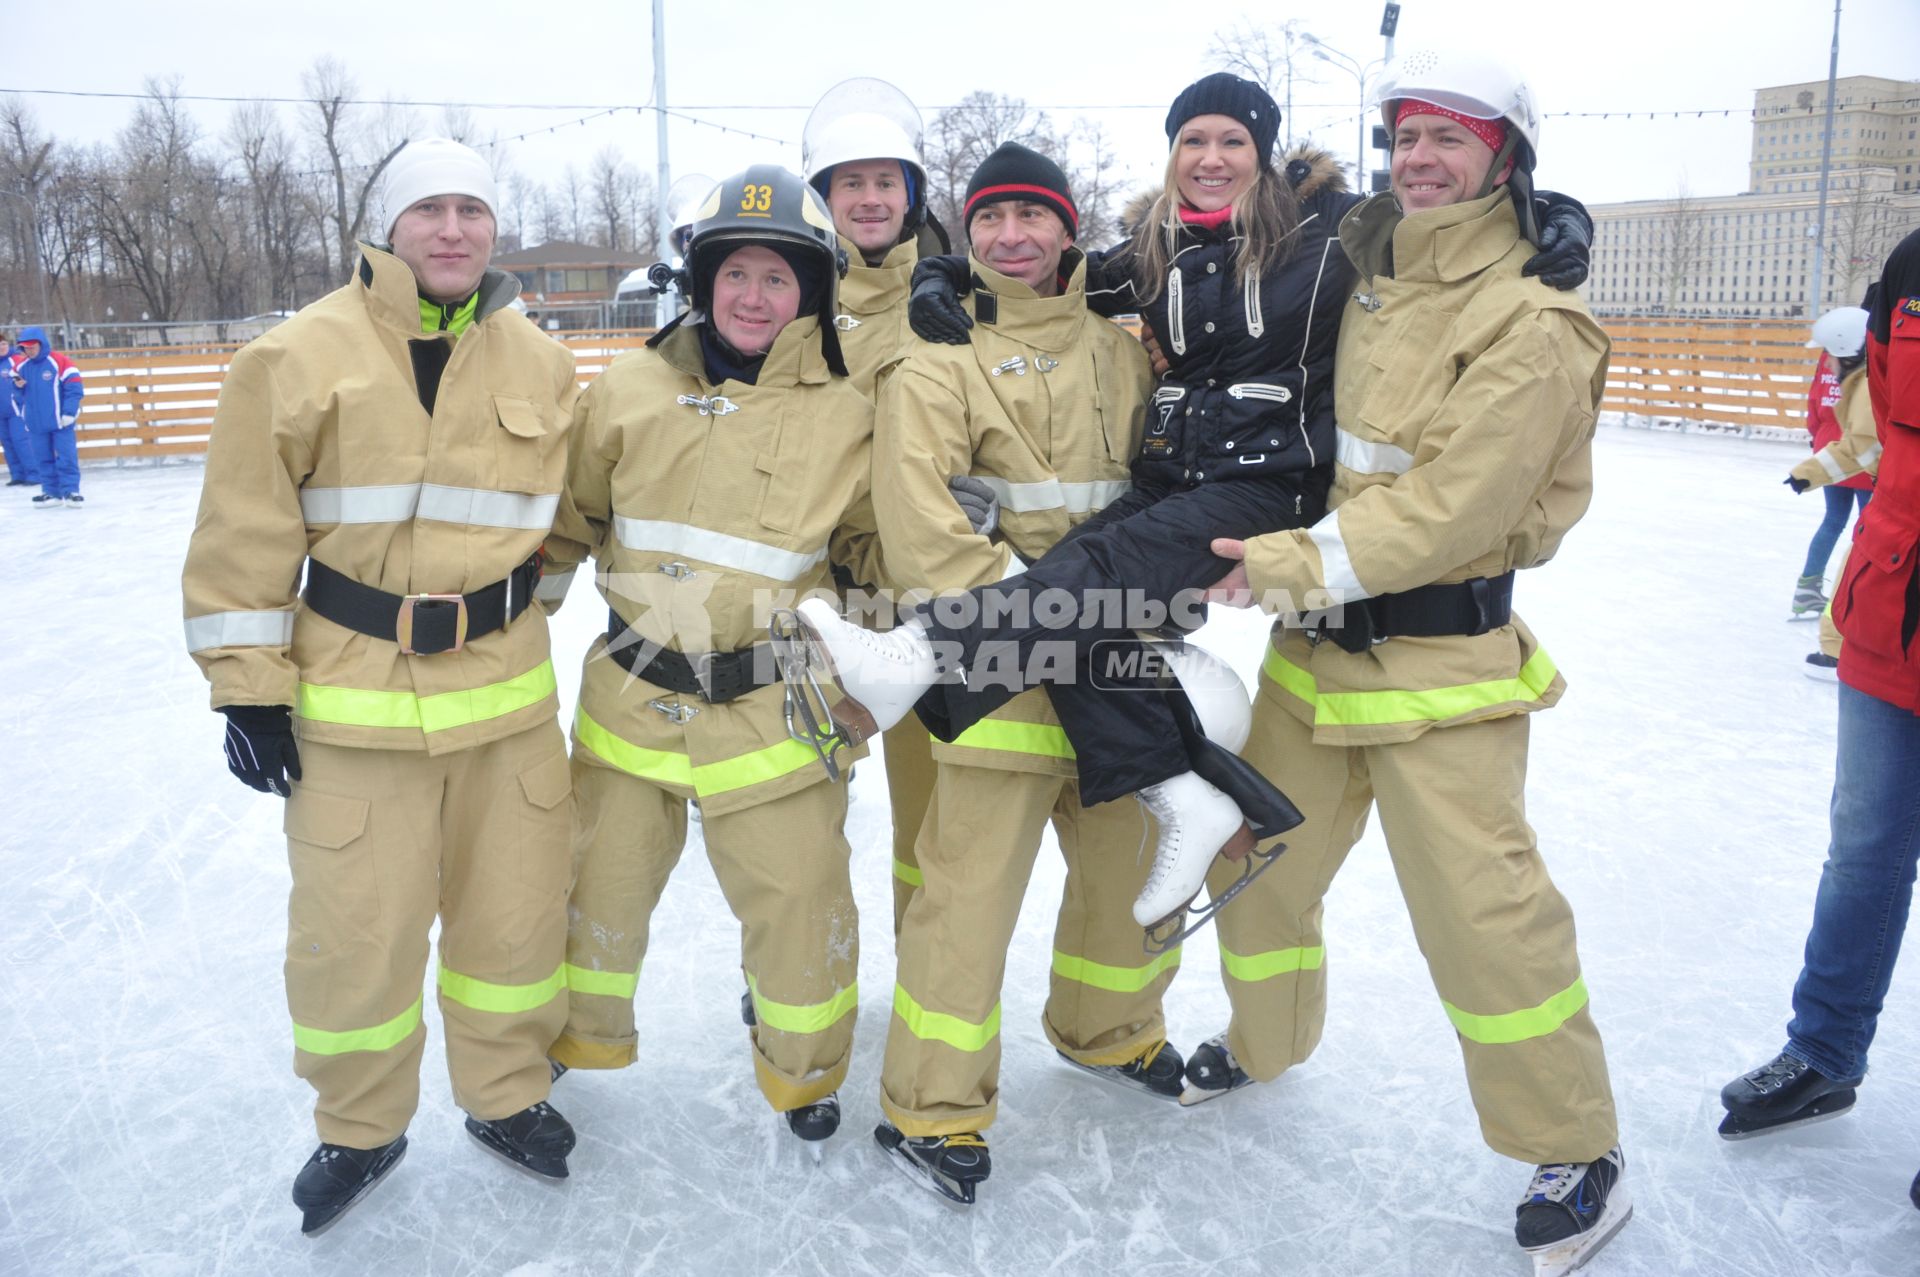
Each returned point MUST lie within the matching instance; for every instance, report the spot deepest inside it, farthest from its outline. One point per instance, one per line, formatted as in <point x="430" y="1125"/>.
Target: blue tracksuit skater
<point x="47" y="393"/>
<point x="20" y="466"/>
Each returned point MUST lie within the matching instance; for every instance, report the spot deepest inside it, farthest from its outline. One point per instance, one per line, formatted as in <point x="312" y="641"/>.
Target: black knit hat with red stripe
<point x="1015" y="172"/>
<point x="1235" y="98"/>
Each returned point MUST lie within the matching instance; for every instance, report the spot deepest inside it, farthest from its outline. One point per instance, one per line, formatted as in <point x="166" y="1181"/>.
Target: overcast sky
<point x="758" y="65"/>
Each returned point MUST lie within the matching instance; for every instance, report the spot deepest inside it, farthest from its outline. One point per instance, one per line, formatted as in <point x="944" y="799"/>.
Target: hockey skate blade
<point x="1572" y="1255"/>
<point x="1200" y="1094"/>
<point x="926" y="1177"/>
<point x="1116" y="1079"/>
<point x="1824" y="1109"/>
<point x="527" y="1168"/>
<point x="329" y="1221"/>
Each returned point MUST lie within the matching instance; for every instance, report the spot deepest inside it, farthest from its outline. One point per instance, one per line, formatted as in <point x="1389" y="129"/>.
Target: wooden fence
<point x="147" y="401"/>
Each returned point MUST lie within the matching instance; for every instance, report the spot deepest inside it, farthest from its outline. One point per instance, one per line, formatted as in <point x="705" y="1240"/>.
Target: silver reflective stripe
<point x="392" y="504"/>
<point x="1336" y="568"/>
<point x="1052" y="494"/>
<point x="1362" y="457"/>
<point x="683" y="540"/>
<point x="553" y="588"/>
<point x="485" y="508"/>
<point x="1835" y="471"/>
<point x="1868" y="458"/>
<point x="239" y="629"/>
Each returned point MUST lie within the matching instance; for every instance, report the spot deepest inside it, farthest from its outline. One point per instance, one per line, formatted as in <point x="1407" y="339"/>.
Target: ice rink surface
<point x="153" y="1125"/>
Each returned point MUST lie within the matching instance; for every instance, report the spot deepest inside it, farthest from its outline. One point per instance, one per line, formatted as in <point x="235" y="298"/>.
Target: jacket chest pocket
<point x="1407" y="381"/>
<point x="784" y="466"/>
<point x="521" y="444"/>
<point x="1903" y="366"/>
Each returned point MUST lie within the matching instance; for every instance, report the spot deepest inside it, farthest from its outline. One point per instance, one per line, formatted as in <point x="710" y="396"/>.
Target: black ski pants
<point x="1069" y="622"/>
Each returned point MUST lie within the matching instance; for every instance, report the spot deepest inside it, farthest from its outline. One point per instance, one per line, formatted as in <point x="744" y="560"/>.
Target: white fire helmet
<point x="1470" y="84"/>
<point x="866" y="119"/>
<point x="1842" y="332"/>
<point x="685" y="196"/>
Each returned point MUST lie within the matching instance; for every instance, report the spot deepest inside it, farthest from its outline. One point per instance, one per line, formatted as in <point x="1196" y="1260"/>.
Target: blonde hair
<point x="1265" y="216"/>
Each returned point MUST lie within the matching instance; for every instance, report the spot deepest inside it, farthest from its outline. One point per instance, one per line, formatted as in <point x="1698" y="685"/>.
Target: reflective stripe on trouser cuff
<point x="436" y="713"/>
<point x="378" y="1038"/>
<point x="1359" y="709"/>
<point x="936" y="1026"/>
<point x="816" y="1017"/>
<point x="1518" y="1026"/>
<point x="239" y="629"/>
<point x="707" y="779"/>
<point x="1264" y="966"/>
<point x="1045" y="739"/>
<point x="1116" y="979"/>
<point x="606" y="984"/>
<point x="909" y="874"/>
<point x="503" y="999"/>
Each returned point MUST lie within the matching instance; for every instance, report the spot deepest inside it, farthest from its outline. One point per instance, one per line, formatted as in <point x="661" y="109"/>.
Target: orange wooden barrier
<point x="158" y="401"/>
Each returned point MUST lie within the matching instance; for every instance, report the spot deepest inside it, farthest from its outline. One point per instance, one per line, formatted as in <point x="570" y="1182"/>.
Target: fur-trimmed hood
<point x="1310" y="170"/>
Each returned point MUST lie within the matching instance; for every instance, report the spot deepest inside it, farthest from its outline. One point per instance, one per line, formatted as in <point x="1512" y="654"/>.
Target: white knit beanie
<point x="436" y="166"/>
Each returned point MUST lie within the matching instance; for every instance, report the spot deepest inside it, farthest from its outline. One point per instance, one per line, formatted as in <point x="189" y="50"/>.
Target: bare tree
<point x="570" y="196"/>
<point x="138" y="191"/>
<point x="611" y="181"/>
<point x="966" y="133"/>
<point x="1861" y="230"/>
<point x="1680" y="246"/>
<point x="27" y="168"/>
<point x="1097" y="193"/>
<point x="353" y="160"/>
<point x="1271" y="55"/>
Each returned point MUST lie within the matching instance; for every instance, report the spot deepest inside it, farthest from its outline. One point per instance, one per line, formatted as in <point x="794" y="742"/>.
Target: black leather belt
<point x="1431" y="611"/>
<point x="715" y="677"/>
<point x="422" y="624"/>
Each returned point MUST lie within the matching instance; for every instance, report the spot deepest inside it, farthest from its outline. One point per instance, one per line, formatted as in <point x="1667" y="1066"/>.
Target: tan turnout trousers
<point x="380" y="841"/>
<point x="909" y="754"/>
<point x="976" y="850"/>
<point x="1498" y="937"/>
<point x="782" y="866"/>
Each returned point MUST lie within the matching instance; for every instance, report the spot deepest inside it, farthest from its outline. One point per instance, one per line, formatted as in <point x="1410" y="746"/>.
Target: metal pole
<point x="1826" y="164"/>
<point x="663" y="220"/>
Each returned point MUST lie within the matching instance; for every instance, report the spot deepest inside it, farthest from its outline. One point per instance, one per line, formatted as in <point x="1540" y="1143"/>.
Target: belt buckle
<point x="403" y="624"/>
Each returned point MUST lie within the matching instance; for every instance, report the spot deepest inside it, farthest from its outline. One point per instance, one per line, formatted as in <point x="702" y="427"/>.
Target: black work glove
<point x="934" y="309"/>
<point x="260" y="747"/>
<point x="1798" y="484"/>
<point x="1566" y="243"/>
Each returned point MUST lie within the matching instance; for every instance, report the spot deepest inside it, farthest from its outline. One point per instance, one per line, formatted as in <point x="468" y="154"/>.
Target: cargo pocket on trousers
<point x="336" y="887"/>
<point x="546" y="845"/>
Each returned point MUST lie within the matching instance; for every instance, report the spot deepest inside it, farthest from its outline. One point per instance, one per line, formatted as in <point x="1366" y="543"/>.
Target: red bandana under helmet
<point x="1492" y="132"/>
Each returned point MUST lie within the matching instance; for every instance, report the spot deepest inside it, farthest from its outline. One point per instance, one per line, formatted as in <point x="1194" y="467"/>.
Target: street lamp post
<point x="33" y="246"/>
<point x="1359" y="71"/>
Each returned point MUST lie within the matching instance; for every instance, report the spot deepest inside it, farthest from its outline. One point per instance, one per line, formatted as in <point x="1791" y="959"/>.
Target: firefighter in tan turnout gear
<point x="405" y="439"/>
<point x="1045" y="407"/>
<point x="862" y="146"/>
<point x="1466" y="397"/>
<point x="720" y="469"/>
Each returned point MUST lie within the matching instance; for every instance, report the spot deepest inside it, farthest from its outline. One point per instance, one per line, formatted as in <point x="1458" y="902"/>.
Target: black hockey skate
<point x="747" y="1016"/>
<point x="1571" y="1210"/>
<point x="335" y="1178"/>
<point x="536" y="1140"/>
<point x="1158" y="1071"/>
<point x="1212" y="1072"/>
<point x="1780" y="1094"/>
<point x="951" y="1165"/>
<point x="814" y="1123"/>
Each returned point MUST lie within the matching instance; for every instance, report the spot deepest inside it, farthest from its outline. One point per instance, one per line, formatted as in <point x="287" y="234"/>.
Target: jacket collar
<point x="869" y="290"/>
<point x="795" y="358"/>
<point x="1045" y="323"/>
<point x="1441" y="245"/>
<point x="393" y="295"/>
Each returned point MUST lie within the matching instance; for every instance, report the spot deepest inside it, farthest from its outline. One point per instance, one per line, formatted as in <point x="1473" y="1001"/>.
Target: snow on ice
<point x="1680" y="790"/>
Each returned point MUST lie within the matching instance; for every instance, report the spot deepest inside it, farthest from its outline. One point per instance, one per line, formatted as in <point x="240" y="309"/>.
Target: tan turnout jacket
<point x="1046" y="404"/>
<point x="705" y="506"/>
<point x="872" y="301"/>
<point x="320" y="447"/>
<point x="1466" y="397"/>
<point x="1857" y="450"/>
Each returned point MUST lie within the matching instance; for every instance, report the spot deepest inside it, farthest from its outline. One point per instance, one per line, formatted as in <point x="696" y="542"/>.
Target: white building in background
<point x="1751" y="254"/>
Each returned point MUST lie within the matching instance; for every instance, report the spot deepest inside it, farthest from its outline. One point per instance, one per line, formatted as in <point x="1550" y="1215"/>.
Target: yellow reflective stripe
<point x="1264" y="966"/>
<point x="667" y="767"/>
<point x="378" y="1038"/>
<point x="359" y="707"/>
<point x="1046" y="739"/>
<point x="935" y="1026"/>
<point x="1360" y="709"/>
<point x="1117" y="979"/>
<point x="909" y="874"/>
<point x="814" y="1017"/>
<point x="607" y="984"/>
<point x="505" y="999"/>
<point x="1518" y="1026"/>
